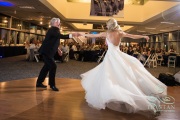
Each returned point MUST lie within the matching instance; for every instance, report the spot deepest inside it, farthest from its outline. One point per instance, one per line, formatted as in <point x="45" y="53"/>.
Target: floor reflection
<point x="20" y="99"/>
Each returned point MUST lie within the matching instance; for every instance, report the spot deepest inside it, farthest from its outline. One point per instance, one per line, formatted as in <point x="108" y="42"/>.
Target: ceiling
<point x="138" y="19"/>
<point x="29" y="10"/>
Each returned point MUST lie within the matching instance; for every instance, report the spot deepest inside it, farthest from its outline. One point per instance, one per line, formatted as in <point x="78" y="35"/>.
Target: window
<point x="160" y="39"/>
<point x="25" y="26"/>
<point x="165" y="38"/>
<point x="174" y="36"/>
<point x="16" y="24"/>
<point x="20" y="38"/>
<point x="38" y="30"/>
<point x="3" y="37"/>
<point x="4" y="21"/>
<point x="44" y="31"/>
<point x="33" y="28"/>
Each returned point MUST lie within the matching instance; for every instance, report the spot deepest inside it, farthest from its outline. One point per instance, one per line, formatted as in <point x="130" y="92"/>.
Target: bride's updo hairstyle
<point x="112" y="24"/>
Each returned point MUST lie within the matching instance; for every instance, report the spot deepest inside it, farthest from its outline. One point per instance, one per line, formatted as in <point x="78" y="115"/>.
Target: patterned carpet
<point x="17" y="67"/>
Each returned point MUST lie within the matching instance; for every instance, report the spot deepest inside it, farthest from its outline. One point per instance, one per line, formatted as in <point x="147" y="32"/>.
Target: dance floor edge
<point x="21" y="100"/>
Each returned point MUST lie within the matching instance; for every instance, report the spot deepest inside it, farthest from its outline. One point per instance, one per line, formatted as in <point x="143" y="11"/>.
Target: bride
<point x="121" y="82"/>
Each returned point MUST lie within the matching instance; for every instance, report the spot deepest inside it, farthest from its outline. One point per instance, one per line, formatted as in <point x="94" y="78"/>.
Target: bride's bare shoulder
<point x="117" y="33"/>
<point x="121" y="33"/>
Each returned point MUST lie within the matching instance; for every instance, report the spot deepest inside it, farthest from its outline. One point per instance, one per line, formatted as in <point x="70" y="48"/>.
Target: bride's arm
<point x="134" y="36"/>
<point x="103" y="34"/>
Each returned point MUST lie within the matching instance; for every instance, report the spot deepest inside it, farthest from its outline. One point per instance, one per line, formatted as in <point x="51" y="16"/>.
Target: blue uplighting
<point x="6" y="4"/>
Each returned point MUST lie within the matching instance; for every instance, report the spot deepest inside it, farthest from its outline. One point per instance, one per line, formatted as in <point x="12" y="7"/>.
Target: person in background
<point x="130" y="51"/>
<point x="152" y="51"/>
<point x="27" y="45"/>
<point x="65" y="51"/>
<point x="171" y="50"/>
<point x="120" y="82"/>
<point x="33" y="48"/>
<point x="48" y="50"/>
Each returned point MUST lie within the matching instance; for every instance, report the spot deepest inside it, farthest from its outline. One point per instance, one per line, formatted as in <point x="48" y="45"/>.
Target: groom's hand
<point x="76" y="34"/>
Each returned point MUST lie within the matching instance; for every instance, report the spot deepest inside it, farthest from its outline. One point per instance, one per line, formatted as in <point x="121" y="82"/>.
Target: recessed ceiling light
<point x="151" y="32"/>
<point x="45" y="17"/>
<point x="167" y="22"/>
<point x="163" y="30"/>
<point x="140" y="31"/>
<point x="150" y="28"/>
<point x="27" y="7"/>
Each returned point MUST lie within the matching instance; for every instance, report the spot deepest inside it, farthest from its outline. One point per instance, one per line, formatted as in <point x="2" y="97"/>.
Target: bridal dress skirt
<point x="121" y="83"/>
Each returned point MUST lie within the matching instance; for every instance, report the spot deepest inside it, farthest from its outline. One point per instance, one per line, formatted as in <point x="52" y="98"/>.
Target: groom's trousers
<point x="49" y="66"/>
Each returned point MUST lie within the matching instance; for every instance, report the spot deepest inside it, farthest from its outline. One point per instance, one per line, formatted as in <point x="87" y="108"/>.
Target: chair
<point x="152" y="59"/>
<point x="27" y="54"/>
<point x="66" y="58"/>
<point x="76" y="56"/>
<point x="101" y="57"/>
<point x="172" y="61"/>
<point x="159" y="59"/>
<point x="36" y="56"/>
<point x="31" y="55"/>
<point x="141" y="58"/>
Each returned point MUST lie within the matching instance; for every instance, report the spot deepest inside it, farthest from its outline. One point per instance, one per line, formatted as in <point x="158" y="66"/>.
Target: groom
<point x="48" y="50"/>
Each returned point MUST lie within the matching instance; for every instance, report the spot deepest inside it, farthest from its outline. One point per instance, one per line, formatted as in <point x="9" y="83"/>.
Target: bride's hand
<point x="146" y="37"/>
<point x="76" y="34"/>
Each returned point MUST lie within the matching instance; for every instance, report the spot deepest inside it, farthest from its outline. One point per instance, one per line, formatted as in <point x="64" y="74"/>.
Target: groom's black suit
<point x="47" y="50"/>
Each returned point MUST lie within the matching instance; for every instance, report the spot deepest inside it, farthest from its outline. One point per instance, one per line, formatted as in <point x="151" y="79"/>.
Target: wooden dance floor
<point x="20" y="100"/>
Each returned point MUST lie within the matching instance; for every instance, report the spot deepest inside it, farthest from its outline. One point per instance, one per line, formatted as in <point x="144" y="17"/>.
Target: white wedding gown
<point x="122" y="83"/>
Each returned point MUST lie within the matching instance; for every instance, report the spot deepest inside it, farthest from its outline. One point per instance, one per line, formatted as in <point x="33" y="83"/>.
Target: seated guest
<point x="171" y="50"/>
<point x="152" y="51"/>
<point x="34" y="45"/>
<point x="38" y="44"/>
<point x="78" y="46"/>
<point x="158" y="50"/>
<point x="130" y="51"/>
<point x="27" y="45"/>
<point x="65" y="48"/>
<point x="33" y="48"/>
<point x="95" y="47"/>
<point x="74" y="48"/>
<point x="125" y="49"/>
<point x="65" y="51"/>
<point x="145" y="52"/>
<point x="163" y="52"/>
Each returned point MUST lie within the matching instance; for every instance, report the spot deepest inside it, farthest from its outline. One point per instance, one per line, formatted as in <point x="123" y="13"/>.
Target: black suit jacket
<point x="51" y="42"/>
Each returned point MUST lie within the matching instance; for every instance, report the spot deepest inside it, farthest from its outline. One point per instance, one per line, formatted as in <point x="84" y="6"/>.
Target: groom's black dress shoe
<point x="41" y="85"/>
<point x="54" y="88"/>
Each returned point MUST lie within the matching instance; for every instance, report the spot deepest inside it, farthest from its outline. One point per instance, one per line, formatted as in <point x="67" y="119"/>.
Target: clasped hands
<point x="146" y="37"/>
<point x="77" y="34"/>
